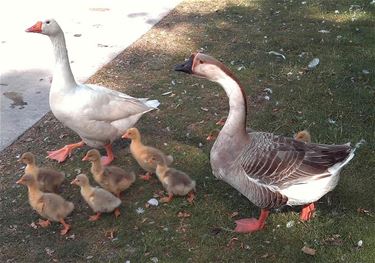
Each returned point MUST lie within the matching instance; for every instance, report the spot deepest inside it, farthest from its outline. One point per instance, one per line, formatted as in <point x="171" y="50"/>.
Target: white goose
<point x="270" y="170"/>
<point x="97" y="114"/>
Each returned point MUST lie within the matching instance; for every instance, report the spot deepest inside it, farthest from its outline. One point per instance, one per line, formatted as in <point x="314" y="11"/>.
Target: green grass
<point x="240" y="33"/>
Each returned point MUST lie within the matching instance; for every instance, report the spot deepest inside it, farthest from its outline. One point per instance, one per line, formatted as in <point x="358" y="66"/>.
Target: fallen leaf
<point x="166" y="93"/>
<point x="276" y="54"/>
<point x="33" y="225"/>
<point x="183" y="214"/>
<point x="49" y="251"/>
<point x="234" y="214"/>
<point x="110" y="234"/>
<point x="290" y="224"/>
<point x="232" y="241"/>
<point x="334" y="240"/>
<point x="363" y="211"/>
<point x="309" y="251"/>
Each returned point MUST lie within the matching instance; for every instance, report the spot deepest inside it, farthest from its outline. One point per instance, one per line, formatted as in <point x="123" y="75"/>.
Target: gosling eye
<point x="200" y="62"/>
<point x="47" y="22"/>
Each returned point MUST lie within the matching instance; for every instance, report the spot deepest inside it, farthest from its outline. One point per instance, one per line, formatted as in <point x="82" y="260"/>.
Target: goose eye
<point x="47" y="22"/>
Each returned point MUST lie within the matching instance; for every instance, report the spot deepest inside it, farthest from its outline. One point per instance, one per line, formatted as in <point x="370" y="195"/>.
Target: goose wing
<point x="280" y="161"/>
<point x="102" y="104"/>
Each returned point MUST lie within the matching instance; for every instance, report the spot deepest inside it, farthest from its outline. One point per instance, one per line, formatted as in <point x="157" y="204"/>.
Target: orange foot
<point x="248" y="225"/>
<point x="44" y="223"/>
<point x="191" y="197"/>
<point x="166" y="199"/>
<point x="117" y="212"/>
<point x="63" y="153"/>
<point x="146" y="177"/>
<point x="307" y="212"/>
<point x="95" y="217"/>
<point x="65" y="229"/>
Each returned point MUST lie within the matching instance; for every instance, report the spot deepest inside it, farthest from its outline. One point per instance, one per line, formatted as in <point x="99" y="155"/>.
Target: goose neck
<point x="236" y="121"/>
<point x="62" y="73"/>
<point x="97" y="167"/>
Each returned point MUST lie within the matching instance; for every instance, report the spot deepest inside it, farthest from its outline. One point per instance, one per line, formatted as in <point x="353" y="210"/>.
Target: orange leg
<point x="95" y="217"/>
<point x="66" y="227"/>
<point x="146" y="177"/>
<point x="106" y="160"/>
<point x="166" y="199"/>
<point x="44" y="223"/>
<point x="221" y="122"/>
<point x="191" y="197"/>
<point x="307" y="212"/>
<point x="248" y="225"/>
<point x="117" y="212"/>
<point x="61" y="154"/>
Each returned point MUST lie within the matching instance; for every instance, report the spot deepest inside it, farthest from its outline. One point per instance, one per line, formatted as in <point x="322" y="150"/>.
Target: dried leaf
<point x="363" y="211"/>
<point x="334" y="240"/>
<point x="232" y="241"/>
<point x="166" y="93"/>
<point x="49" y="251"/>
<point x="234" y="214"/>
<point x="183" y="214"/>
<point x="33" y="225"/>
<point x="276" y="54"/>
<point x="110" y="234"/>
<point x="309" y="251"/>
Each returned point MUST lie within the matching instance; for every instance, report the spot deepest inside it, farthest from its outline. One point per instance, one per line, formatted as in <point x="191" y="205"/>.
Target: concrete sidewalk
<point x="96" y="31"/>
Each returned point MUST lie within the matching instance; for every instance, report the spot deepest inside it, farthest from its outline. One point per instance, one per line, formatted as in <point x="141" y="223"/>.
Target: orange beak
<point x="86" y="158"/>
<point x="125" y="136"/>
<point x="74" y="181"/>
<point x="210" y="138"/>
<point x="20" y="181"/>
<point x="37" y="28"/>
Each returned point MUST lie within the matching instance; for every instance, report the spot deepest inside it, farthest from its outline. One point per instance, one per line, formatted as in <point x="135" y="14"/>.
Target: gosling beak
<point x="125" y="136"/>
<point x="86" y="158"/>
<point x="186" y="66"/>
<point x="37" y="28"/>
<point x="20" y="181"/>
<point x="74" y="181"/>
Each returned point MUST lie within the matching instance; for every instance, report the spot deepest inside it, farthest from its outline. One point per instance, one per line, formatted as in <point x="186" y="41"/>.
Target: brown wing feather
<point x="277" y="160"/>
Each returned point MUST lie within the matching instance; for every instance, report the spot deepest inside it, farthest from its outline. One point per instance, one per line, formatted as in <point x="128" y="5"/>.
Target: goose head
<point x="132" y="134"/>
<point x="26" y="179"/>
<point x="204" y="66"/>
<point x="80" y="180"/>
<point x="92" y="155"/>
<point x="27" y="158"/>
<point x="47" y="27"/>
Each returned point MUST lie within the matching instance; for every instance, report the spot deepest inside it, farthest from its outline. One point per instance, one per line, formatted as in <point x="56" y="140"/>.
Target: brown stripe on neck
<point x="230" y="74"/>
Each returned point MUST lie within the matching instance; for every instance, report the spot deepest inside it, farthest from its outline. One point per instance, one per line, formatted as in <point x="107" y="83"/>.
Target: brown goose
<point x="270" y="170"/>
